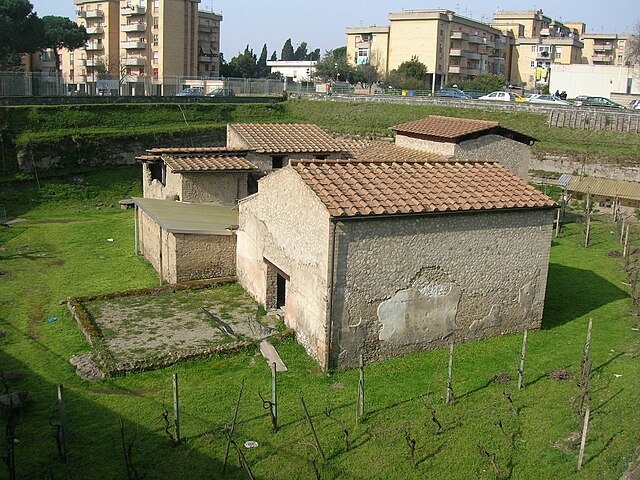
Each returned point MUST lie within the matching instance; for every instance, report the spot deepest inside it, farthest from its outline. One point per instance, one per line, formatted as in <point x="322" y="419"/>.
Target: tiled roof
<point x="208" y="163"/>
<point x="286" y="138"/>
<point x="354" y="148"/>
<point x="455" y="128"/>
<point x="361" y="188"/>
<point x="188" y="150"/>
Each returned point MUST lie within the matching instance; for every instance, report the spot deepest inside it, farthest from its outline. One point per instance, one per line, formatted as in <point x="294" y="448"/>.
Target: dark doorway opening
<point x="281" y="290"/>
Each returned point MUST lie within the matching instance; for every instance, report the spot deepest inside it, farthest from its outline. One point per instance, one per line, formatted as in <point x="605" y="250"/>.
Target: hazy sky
<point x="322" y="23"/>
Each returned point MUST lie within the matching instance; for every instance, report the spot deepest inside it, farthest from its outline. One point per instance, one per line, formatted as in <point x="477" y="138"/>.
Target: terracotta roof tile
<point x="453" y="128"/>
<point x="189" y="150"/>
<point x="208" y="163"/>
<point x="367" y="188"/>
<point x="287" y="138"/>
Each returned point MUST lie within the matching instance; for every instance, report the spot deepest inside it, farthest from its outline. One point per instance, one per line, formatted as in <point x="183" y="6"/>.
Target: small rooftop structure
<point x="456" y="130"/>
<point x="381" y="187"/>
<point x="200" y="159"/>
<point x="285" y="138"/>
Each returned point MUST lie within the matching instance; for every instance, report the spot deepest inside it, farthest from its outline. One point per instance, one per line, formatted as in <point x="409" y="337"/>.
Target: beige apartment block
<point x="604" y="49"/>
<point x="101" y="54"/>
<point x="142" y="43"/>
<point x="540" y="42"/>
<point x="453" y="48"/>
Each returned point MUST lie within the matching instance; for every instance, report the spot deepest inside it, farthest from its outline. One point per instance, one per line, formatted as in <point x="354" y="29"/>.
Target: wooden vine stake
<point x="63" y="432"/>
<point x="558" y="222"/>
<point x="360" y="412"/>
<point x="622" y="232"/>
<point x="522" y="356"/>
<point x="449" y="381"/>
<point x="313" y="430"/>
<point x="274" y="398"/>
<point x="583" y="442"/>
<point x="176" y="409"/>
<point x="230" y="429"/>
<point x="587" y="227"/>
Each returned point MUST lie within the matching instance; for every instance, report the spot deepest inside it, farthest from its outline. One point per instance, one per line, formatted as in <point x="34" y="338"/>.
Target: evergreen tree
<point x="263" y="70"/>
<point x="60" y="32"/>
<point x="301" y="52"/>
<point x="287" y="53"/>
<point x="21" y="31"/>
<point x="274" y="57"/>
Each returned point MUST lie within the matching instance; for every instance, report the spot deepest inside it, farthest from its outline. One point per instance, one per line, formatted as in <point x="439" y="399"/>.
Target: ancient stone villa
<point x="364" y="246"/>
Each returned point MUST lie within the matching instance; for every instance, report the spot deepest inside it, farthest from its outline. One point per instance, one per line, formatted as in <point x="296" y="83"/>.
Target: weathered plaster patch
<point x="491" y="320"/>
<point x="419" y="315"/>
<point x="526" y="297"/>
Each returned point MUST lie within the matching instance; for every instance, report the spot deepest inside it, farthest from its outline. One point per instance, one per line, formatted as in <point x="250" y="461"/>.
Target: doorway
<point x="276" y="286"/>
<point x="281" y="291"/>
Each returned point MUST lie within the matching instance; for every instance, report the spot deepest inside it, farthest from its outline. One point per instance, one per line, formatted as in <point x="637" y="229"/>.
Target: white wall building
<point x="596" y="80"/>
<point x="299" y="70"/>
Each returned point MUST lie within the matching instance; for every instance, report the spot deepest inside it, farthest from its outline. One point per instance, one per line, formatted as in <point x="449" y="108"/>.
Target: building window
<point x="533" y="64"/>
<point x="155" y="72"/>
<point x="156" y="57"/>
<point x="156" y="6"/>
<point x="277" y="162"/>
<point x="158" y="171"/>
<point x="155" y="39"/>
<point x="156" y="22"/>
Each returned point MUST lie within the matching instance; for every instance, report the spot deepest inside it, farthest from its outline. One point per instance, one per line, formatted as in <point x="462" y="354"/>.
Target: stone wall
<point x="204" y="256"/>
<point x="412" y="283"/>
<point x="149" y="243"/>
<point x="171" y="190"/>
<point x="568" y="165"/>
<point x="110" y="100"/>
<point x="218" y="187"/>
<point x="294" y="237"/>
<point x="514" y="156"/>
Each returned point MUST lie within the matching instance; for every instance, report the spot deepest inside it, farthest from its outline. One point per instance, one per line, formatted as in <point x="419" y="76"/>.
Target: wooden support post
<point x="558" y="224"/>
<point x="449" y="381"/>
<point x="361" y="388"/>
<point x="135" y="230"/>
<point x="313" y="430"/>
<point x="585" y="428"/>
<point x="522" y="356"/>
<point x="274" y="397"/>
<point x="587" y="344"/>
<point x="63" y="423"/>
<point x="176" y="411"/>
<point x="622" y="233"/>
<point x="625" y="251"/>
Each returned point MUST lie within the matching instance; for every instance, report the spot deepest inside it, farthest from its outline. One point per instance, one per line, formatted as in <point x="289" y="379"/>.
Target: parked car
<point x="518" y="98"/>
<point x="474" y="93"/>
<point x="221" y="92"/>
<point x="588" y="101"/>
<point x="500" y="97"/>
<point x="191" y="92"/>
<point x="451" y="93"/>
<point x="634" y="104"/>
<point x="546" y="99"/>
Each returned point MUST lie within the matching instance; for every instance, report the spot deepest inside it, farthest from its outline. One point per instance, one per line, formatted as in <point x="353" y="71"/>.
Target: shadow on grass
<point x="574" y="292"/>
<point x="94" y="437"/>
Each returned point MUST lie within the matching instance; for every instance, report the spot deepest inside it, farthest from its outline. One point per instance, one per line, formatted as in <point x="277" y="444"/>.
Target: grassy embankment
<point x="42" y="263"/>
<point x="86" y="125"/>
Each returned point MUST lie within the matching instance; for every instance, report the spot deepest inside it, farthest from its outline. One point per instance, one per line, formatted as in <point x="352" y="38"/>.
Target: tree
<point x="262" y="69"/>
<point x="60" y="32"/>
<point x="301" y="52"/>
<point x="243" y="65"/>
<point x="274" y="57"/>
<point x="21" y="32"/>
<point x="315" y="55"/>
<point x="487" y="82"/>
<point x="410" y="75"/>
<point x="368" y="73"/>
<point x="287" y="53"/>
<point x="632" y="47"/>
<point x="334" y="66"/>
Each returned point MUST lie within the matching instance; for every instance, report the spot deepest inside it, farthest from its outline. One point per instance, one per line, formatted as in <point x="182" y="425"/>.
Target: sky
<point x="322" y="24"/>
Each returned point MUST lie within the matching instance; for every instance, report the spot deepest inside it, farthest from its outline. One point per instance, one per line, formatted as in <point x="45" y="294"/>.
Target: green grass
<point x="77" y="260"/>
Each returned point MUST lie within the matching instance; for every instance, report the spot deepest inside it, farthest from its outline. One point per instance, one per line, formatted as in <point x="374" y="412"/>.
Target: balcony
<point x="500" y="45"/>
<point x="544" y="55"/>
<point x="602" y="58"/>
<point x="134" y="45"/>
<point x="459" y="52"/>
<point x="134" y="61"/>
<point x="459" y="36"/>
<point x="545" y="32"/>
<point x="135" y="27"/>
<point x="463" y="71"/>
<point x="208" y="29"/>
<point x="132" y="11"/>
<point x="81" y="13"/>
<point x="135" y="78"/>
<point x="93" y="14"/>
<point x="82" y="63"/>
<point x="603" y="48"/>
<point x="95" y="30"/>
<point x="207" y="58"/>
<point x="93" y="63"/>
<point x="81" y="79"/>
<point x="477" y="39"/>
<point x="94" y="47"/>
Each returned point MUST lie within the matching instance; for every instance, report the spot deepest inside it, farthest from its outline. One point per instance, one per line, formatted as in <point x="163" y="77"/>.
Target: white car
<point x="546" y="99"/>
<point x="634" y="104"/>
<point x="499" y="96"/>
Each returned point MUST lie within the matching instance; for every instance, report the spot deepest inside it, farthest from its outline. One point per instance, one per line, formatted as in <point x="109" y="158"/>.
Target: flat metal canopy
<point x="194" y="218"/>
<point x="605" y="188"/>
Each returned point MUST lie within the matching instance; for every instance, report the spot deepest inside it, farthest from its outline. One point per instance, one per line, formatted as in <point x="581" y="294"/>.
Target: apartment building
<point x="539" y="43"/>
<point x="453" y="48"/>
<point x="142" y="43"/>
<point x="604" y="49"/>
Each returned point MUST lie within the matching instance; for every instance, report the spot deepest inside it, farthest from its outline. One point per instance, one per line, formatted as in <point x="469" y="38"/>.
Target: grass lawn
<point x="63" y="251"/>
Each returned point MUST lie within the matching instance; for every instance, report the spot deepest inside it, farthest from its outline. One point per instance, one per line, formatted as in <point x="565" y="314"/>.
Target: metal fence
<point x="18" y="84"/>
